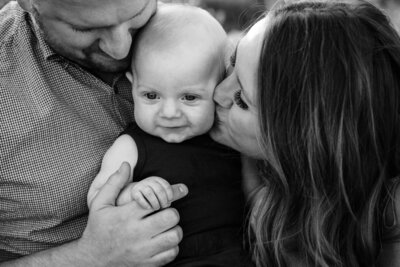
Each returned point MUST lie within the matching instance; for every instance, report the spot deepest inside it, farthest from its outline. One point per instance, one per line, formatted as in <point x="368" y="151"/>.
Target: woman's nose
<point x="116" y="41"/>
<point x="223" y="94"/>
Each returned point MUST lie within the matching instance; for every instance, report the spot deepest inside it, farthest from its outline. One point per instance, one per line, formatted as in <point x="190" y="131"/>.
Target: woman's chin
<point x="214" y="134"/>
<point x="219" y="136"/>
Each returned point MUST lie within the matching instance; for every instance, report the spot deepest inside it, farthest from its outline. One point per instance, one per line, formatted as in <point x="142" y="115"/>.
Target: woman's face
<point x="237" y="112"/>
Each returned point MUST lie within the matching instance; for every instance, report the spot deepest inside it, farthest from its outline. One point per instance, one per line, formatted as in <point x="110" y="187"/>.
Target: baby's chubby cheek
<point x="144" y="121"/>
<point x="206" y="123"/>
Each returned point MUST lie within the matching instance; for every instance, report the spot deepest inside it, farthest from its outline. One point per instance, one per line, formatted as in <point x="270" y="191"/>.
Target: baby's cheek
<point x="142" y="118"/>
<point x="206" y="122"/>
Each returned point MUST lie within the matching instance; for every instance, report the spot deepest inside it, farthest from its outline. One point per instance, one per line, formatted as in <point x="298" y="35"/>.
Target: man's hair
<point x="328" y="98"/>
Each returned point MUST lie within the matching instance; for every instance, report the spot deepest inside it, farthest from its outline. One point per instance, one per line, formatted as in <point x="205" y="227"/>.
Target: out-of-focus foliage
<point x="392" y="8"/>
<point x="236" y="15"/>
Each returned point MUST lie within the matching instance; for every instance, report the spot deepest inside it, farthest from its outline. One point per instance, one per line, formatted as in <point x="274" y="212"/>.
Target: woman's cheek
<point x="235" y="122"/>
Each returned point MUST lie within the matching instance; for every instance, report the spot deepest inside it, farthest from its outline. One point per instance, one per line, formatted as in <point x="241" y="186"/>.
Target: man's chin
<point x="109" y="66"/>
<point x="102" y="63"/>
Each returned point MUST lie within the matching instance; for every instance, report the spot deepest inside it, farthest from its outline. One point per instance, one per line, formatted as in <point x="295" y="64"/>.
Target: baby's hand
<point x="152" y="193"/>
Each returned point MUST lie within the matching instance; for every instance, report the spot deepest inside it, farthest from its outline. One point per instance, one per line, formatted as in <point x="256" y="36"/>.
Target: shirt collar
<point x="48" y="52"/>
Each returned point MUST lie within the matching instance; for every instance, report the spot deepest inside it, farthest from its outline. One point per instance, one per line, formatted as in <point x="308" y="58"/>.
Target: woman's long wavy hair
<point x="329" y="94"/>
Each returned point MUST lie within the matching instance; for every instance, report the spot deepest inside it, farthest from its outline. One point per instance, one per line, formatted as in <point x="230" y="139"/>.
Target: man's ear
<point x="26" y="5"/>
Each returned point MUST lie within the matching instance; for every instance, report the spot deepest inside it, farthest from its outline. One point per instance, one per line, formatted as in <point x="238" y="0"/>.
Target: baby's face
<point x="173" y="95"/>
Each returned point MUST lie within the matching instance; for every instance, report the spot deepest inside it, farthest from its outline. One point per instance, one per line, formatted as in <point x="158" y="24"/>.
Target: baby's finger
<point x="161" y="194"/>
<point x="141" y="200"/>
<point x="167" y="187"/>
<point x="180" y="191"/>
<point x="151" y="197"/>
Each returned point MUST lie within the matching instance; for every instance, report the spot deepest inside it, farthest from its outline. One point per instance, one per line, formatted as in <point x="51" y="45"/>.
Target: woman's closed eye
<point x="239" y="101"/>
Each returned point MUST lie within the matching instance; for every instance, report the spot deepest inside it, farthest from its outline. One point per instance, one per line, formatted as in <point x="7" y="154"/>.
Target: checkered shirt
<point x="56" y="122"/>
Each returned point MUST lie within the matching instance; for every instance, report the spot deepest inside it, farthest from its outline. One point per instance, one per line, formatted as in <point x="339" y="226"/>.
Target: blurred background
<point x="236" y="15"/>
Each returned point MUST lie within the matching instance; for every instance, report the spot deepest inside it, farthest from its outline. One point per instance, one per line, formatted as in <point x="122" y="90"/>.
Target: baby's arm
<point x="124" y="149"/>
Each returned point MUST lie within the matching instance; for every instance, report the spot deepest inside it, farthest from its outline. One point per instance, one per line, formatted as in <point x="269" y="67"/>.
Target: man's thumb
<point x="108" y="193"/>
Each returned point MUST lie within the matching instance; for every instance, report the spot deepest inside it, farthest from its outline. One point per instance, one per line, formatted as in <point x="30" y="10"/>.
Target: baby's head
<point x="178" y="60"/>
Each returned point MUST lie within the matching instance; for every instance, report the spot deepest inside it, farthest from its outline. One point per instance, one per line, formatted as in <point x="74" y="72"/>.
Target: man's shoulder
<point x="18" y="45"/>
<point x="11" y="21"/>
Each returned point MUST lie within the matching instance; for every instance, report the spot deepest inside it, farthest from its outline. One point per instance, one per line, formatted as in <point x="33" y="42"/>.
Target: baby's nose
<point x="170" y="109"/>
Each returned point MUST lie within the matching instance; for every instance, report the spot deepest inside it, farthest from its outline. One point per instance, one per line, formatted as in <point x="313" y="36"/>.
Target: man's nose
<point x="223" y="94"/>
<point x="170" y="109"/>
<point x="116" y="41"/>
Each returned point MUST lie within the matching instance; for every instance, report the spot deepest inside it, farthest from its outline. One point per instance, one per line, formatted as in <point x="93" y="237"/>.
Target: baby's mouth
<point x="173" y="127"/>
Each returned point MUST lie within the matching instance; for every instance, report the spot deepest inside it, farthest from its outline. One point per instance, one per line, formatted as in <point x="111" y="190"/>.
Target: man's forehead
<point x="107" y="12"/>
<point x="93" y="3"/>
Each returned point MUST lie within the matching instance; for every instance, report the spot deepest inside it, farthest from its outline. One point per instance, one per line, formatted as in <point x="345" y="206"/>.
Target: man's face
<point x="97" y="34"/>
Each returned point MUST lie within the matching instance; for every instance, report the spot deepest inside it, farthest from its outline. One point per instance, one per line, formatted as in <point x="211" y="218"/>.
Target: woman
<point x="314" y="96"/>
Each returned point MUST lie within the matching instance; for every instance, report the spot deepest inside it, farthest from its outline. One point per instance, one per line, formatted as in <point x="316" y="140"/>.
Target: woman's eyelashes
<point x="239" y="101"/>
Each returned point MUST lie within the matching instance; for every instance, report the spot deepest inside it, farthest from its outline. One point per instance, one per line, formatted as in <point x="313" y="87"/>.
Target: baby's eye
<point x="189" y="98"/>
<point x="239" y="101"/>
<point x="151" y="96"/>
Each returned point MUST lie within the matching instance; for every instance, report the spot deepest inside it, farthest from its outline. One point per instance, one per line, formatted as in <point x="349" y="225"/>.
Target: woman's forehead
<point x="257" y="29"/>
<point x="248" y="57"/>
<point x="253" y="40"/>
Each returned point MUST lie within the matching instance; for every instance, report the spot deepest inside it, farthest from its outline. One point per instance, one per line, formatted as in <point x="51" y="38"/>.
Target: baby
<point x="178" y="61"/>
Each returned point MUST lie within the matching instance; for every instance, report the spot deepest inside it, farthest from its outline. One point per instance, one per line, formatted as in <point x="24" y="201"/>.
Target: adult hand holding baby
<point x="128" y="230"/>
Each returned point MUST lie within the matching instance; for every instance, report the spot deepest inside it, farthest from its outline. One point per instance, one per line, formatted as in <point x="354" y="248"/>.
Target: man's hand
<point x="127" y="235"/>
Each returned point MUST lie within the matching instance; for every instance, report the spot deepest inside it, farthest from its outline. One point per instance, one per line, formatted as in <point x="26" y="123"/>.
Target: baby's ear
<point x="129" y="75"/>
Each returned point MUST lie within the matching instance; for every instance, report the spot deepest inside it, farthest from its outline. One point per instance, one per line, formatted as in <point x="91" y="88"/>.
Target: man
<point x="63" y="100"/>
